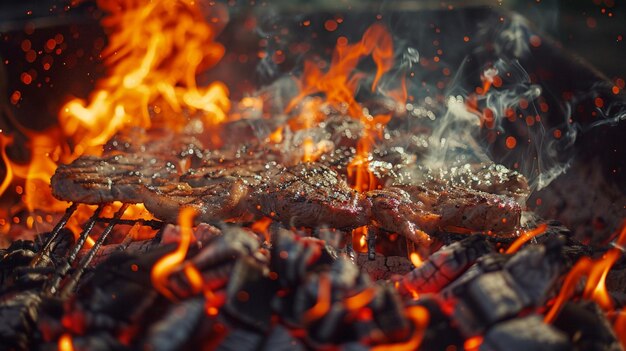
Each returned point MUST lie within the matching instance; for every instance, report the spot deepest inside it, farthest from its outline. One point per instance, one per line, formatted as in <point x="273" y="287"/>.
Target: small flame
<point x="525" y="237"/>
<point x="262" y="226"/>
<point x="420" y="317"/>
<point x="322" y="305"/>
<point x="473" y="343"/>
<point x="168" y="263"/>
<point x="596" y="272"/>
<point x="416" y="260"/>
<point x="65" y="343"/>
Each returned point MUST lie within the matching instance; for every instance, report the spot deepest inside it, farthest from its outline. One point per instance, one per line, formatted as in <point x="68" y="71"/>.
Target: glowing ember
<point x="168" y="263"/>
<point x="419" y="316"/>
<point x="322" y="305"/>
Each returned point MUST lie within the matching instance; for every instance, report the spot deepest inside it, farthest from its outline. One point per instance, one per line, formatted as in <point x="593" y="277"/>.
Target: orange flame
<point x="65" y="343"/>
<point x="359" y="174"/>
<point x="525" y="237"/>
<point x="419" y="316"/>
<point x="261" y="226"/>
<point x="322" y="305"/>
<point x="596" y="272"/>
<point x="168" y="263"/>
<point x="339" y="85"/>
<point x="156" y="49"/>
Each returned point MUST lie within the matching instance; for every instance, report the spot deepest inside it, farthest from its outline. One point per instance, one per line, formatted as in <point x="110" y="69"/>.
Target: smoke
<point x="473" y="77"/>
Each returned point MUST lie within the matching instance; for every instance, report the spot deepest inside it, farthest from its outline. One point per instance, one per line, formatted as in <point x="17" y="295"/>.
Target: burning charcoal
<point x="242" y="340"/>
<point x="388" y="313"/>
<point x="280" y="339"/>
<point x="18" y="314"/>
<point x="99" y="341"/>
<point x="292" y="257"/>
<point x="535" y="270"/>
<point x="526" y="333"/>
<point x="248" y="293"/>
<point x="235" y="242"/>
<point x="587" y="327"/>
<point x="489" y="298"/>
<point x="444" y="266"/>
<point x="440" y="333"/>
<point x="488" y="263"/>
<point x="176" y="328"/>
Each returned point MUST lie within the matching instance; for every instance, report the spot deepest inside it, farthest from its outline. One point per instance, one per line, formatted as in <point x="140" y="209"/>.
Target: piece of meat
<point x="94" y="180"/>
<point x="310" y="195"/>
<point x="409" y="208"/>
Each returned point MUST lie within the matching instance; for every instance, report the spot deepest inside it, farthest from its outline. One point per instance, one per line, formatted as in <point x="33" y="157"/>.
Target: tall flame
<point x="168" y="263"/>
<point x="156" y="49"/>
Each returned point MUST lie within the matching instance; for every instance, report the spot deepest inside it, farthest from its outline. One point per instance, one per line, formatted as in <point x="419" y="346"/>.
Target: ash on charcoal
<point x="525" y="333"/>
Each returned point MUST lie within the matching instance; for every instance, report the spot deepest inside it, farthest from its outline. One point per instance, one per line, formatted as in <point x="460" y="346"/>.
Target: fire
<point x="419" y="316"/>
<point x="168" y="263"/>
<point x="525" y="237"/>
<point x="339" y="84"/>
<point x="65" y="343"/>
<point x="596" y="272"/>
<point x="156" y="49"/>
<point x="262" y="227"/>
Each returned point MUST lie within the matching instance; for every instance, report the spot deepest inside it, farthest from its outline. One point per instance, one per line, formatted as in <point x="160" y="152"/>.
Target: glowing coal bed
<point x="243" y="179"/>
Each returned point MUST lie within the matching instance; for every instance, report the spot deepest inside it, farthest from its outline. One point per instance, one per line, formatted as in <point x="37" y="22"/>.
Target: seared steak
<point x="404" y="209"/>
<point x="310" y="195"/>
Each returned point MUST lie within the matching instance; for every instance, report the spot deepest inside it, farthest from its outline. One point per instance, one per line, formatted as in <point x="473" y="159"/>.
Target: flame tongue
<point x="156" y="49"/>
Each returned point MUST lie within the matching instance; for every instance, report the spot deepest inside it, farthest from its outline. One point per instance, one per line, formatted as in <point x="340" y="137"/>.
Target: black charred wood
<point x="18" y="314"/>
<point x="522" y="334"/>
<point x="241" y="339"/>
<point x="490" y="298"/>
<point x="444" y="266"/>
<point x="439" y="324"/>
<point x="535" y="270"/>
<point x="585" y="324"/>
<point x="248" y="294"/>
<point x="175" y="330"/>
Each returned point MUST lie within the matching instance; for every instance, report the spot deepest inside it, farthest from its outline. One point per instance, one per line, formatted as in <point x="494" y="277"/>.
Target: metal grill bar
<point x="43" y="257"/>
<point x="73" y="280"/>
<point x="65" y="267"/>
<point x="152" y="223"/>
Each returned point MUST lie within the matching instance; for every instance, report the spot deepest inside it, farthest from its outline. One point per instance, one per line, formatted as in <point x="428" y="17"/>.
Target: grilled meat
<point x="310" y="195"/>
<point x="404" y="209"/>
<point x="123" y="177"/>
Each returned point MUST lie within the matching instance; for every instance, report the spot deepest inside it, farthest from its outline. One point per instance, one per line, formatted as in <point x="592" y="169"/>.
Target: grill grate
<point x="66" y="275"/>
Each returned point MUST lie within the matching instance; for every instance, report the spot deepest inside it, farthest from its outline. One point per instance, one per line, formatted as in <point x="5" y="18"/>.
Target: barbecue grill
<point x="262" y="284"/>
